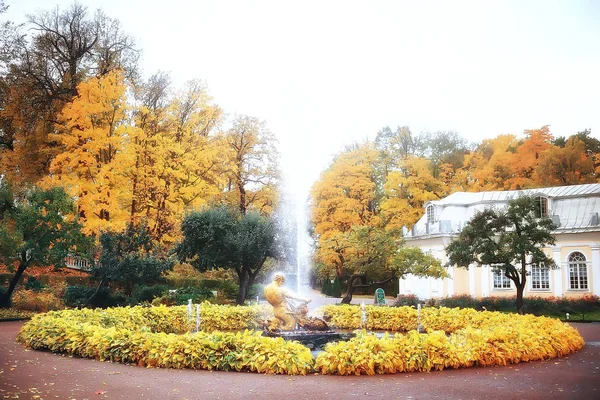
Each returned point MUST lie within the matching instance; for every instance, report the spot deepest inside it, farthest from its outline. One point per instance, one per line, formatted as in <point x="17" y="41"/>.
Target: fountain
<point x="291" y="319"/>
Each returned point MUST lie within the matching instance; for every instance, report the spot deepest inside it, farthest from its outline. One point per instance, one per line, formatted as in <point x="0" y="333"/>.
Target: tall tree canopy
<point x="508" y="240"/>
<point x="93" y="164"/>
<point x="221" y="238"/>
<point x="253" y="166"/>
<point x="40" y="75"/>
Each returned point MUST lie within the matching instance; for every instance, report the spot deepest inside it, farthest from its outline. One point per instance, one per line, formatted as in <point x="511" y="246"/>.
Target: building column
<point x="557" y="274"/>
<point x="450" y="282"/>
<point x="485" y="281"/>
<point x="472" y="279"/>
<point x="595" y="247"/>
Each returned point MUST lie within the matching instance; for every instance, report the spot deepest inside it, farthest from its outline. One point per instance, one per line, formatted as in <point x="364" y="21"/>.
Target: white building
<point x="574" y="209"/>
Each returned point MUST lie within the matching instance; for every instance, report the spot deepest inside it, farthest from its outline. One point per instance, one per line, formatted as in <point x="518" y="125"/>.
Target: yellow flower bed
<point x="455" y="338"/>
<point x="160" y="337"/>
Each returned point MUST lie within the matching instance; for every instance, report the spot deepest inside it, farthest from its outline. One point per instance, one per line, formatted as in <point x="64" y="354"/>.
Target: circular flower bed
<point x="161" y="337"/>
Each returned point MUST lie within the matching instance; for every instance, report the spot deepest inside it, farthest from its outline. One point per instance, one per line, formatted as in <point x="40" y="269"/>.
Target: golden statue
<point x="285" y="313"/>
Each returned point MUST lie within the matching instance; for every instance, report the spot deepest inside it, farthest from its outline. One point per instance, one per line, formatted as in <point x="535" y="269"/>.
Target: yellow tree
<point x="179" y="164"/>
<point x="253" y="166"/>
<point x="343" y="197"/>
<point x="490" y="165"/>
<point x="406" y="190"/>
<point x="39" y="76"/>
<point x="94" y="159"/>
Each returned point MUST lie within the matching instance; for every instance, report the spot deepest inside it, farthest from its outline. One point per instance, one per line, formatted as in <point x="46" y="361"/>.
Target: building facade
<point x="574" y="210"/>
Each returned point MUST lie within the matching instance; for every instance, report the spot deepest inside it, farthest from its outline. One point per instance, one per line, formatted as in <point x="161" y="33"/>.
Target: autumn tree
<point x="567" y="165"/>
<point x="179" y="162"/>
<point x="406" y="190"/>
<point x="39" y="230"/>
<point x="41" y="75"/>
<point x="377" y="256"/>
<point x="442" y="147"/>
<point x="93" y="137"/>
<point x="344" y="196"/>
<point x="222" y="238"/>
<point x="508" y="240"/>
<point x="526" y="157"/>
<point x="253" y="166"/>
<point x="489" y="166"/>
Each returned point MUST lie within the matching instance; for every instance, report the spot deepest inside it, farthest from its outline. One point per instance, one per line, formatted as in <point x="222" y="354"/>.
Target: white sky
<point x="324" y="74"/>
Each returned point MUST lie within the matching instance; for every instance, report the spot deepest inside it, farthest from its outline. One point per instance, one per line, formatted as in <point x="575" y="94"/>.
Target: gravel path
<point x="29" y="374"/>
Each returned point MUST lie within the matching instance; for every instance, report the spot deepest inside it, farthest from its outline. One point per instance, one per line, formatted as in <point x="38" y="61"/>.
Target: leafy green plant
<point x="406" y="300"/>
<point x="148" y="293"/>
<point x="34" y="284"/>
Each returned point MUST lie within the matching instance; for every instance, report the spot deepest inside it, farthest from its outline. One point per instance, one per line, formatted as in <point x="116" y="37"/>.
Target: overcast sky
<point x="324" y="74"/>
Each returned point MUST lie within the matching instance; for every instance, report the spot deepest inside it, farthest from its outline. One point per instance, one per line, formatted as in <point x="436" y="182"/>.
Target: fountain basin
<point x="312" y="339"/>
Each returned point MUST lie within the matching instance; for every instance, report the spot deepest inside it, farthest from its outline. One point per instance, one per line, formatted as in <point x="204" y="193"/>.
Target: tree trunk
<point x="245" y="282"/>
<point x="5" y="297"/>
<point x="520" y="289"/>
<point x="362" y="278"/>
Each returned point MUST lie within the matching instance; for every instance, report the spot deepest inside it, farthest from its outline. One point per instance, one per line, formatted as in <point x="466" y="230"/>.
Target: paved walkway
<point x="29" y="374"/>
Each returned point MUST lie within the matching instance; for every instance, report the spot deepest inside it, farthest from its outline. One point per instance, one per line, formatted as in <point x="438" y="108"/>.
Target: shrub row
<point x="534" y="305"/>
<point x="159" y="337"/>
<point x="503" y="340"/>
<point x="401" y="319"/>
<point x="242" y="351"/>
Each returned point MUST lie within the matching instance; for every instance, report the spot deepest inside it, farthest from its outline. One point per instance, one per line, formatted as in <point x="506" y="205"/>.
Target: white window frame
<point x="537" y="276"/>
<point x="503" y="280"/>
<point x="581" y="273"/>
<point x="430" y="211"/>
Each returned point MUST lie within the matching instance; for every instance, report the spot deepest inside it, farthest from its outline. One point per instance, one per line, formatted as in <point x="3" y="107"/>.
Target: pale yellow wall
<point x="566" y="242"/>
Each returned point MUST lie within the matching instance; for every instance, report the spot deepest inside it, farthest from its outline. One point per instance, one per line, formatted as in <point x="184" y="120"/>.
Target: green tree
<point x="130" y="257"/>
<point x="220" y="238"/>
<point x="376" y="256"/>
<point x="508" y="240"/>
<point x="41" y="229"/>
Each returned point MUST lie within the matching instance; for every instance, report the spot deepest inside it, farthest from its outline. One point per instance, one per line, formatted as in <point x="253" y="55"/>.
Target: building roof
<point x="573" y="208"/>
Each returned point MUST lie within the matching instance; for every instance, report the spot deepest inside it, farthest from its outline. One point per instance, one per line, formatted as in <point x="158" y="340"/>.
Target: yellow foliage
<point x="160" y="337"/>
<point x="94" y="161"/>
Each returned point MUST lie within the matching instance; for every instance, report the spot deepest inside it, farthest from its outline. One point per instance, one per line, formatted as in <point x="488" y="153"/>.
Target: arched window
<point x="430" y="214"/>
<point x="578" y="277"/>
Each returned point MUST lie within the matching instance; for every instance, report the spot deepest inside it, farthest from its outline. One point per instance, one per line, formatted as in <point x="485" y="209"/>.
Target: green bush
<point x="148" y="293"/>
<point x="228" y="289"/>
<point x="462" y="301"/>
<point x="406" y="300"/>
<point x="198" y="295"/>
<point x="78" y="295"/>
<point x="34" y="284"/>
<point x="4" y="302"/>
